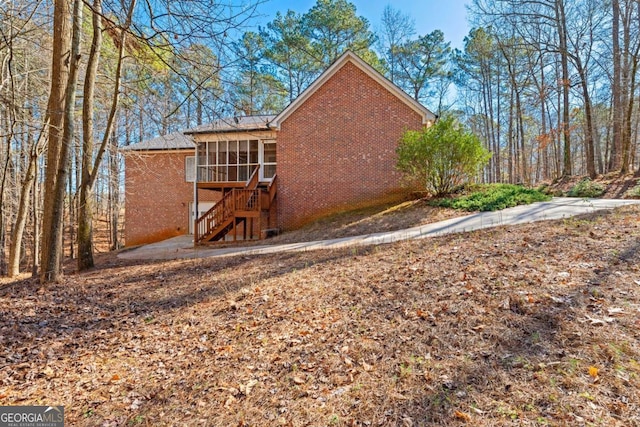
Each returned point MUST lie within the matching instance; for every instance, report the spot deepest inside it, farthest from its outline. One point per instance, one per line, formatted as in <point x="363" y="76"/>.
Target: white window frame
<point x="261" y="158"/>
<point x="190" y="168"/>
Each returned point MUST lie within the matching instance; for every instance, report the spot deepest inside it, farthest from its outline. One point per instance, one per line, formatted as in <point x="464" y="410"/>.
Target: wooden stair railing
<point x="254" y="179"/>
<point x="237" y="203"/>
<point x="273" y="188"/>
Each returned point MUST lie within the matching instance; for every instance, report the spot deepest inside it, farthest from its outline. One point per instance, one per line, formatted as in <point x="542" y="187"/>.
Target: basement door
<point x="203" y="207"/>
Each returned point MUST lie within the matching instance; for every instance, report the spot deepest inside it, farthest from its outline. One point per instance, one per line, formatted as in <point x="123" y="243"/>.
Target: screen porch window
<point x="268" y="159"/>
<point x="227" y="161"/>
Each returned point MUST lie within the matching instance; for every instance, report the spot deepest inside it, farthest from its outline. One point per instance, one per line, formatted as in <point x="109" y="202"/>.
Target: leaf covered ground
<point x="530" y="325"/>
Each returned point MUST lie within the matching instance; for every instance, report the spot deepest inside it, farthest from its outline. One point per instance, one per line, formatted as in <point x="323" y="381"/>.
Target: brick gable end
<point x="337" y="150"/>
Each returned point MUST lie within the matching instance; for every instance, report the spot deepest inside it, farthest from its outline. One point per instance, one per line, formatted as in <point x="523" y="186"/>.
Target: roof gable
<point x="350" y="57"/>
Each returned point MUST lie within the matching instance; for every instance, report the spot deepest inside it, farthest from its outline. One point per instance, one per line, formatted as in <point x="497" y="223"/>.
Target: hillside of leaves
<point x="524" y="325"/>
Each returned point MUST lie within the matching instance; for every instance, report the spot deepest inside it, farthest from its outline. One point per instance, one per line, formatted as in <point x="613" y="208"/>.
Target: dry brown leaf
<point x="48" y="372"/>
<point x="248" y="387"/>
<point x="230" y="401"/>
<point x="407" y="421"/>
<point x="299" y="380"/>
<point x="462" y="416"/>
<point x="615" y="310"/>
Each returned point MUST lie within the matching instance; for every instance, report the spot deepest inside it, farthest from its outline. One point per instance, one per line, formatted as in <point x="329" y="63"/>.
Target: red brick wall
<point x="157" y="196"/>
<point x="337" y="150"/>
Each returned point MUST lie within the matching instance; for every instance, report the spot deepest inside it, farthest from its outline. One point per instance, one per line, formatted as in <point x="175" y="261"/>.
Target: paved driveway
<point x="560" y="207"/>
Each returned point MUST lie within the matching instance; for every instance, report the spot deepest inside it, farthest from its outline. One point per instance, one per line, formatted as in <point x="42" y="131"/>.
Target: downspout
<point x="195" y="193"/>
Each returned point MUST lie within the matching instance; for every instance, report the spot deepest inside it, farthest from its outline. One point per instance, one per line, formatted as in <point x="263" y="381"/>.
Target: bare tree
<point x="89" y="164"/>
<point x="56" y="161"/>
<point x="396" y="28"/>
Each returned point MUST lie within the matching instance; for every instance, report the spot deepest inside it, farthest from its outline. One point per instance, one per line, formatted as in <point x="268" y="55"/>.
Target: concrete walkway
<point x="561" y="207"/>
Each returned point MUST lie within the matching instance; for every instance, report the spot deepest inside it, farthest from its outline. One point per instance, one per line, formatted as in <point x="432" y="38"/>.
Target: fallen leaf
<point x="462" y="416"/>
<point x="366" y="367"/>
<point x="407" y="421"/>
<point x="615" y="310"/>
<point x="229" y="402"/>
<point x="299" y="380"/>
<point x="246" y="388"/>
<point x="398" y="396"/>
<point x="600" y="322"/>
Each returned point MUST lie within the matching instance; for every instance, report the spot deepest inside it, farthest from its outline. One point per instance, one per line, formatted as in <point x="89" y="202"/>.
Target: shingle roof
<point x="234" y="124"/>
<point x="172" y="141"/>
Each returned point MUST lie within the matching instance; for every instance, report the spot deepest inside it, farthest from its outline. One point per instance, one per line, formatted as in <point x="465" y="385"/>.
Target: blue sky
<point x="449" y="16"/>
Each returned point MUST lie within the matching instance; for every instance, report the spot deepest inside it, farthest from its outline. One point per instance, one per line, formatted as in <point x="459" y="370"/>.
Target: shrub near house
<point x="442" y="157"/>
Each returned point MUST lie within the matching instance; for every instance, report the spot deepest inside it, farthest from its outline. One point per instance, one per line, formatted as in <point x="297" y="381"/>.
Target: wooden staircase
<point x="237" y="211"/>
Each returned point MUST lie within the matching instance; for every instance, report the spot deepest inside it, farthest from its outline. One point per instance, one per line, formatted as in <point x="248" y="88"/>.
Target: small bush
<point x="442" y="157"/>
<point x="492" y="197"/>
<point x="633" y="193"/>
<point x="587" y="188"/>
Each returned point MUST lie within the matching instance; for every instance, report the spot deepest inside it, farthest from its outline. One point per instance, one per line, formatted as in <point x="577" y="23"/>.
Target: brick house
<point x="331" y="149"/>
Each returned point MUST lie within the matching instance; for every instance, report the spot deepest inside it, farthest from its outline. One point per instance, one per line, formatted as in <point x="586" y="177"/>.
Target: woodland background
<point x="548" y="85"/>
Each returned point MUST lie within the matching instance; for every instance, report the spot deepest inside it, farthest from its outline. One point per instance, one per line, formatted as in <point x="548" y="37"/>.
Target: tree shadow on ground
<point x="112" y="297"/>
<point x="535" y="339"/>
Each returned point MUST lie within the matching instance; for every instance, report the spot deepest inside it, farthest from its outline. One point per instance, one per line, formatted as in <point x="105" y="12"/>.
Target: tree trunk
<point x="510" y="149"/>
<point x="115" y="194"/>
<point x="543" y="116"/>
<point x="36" y="225"/>
<point x="50" y="254"/>
<point x="629" y="78"/>
<point x="564" y="63"/>
<point x="90" y="172"/>
<point x="23" y="208"/>
<point x="616" y="91"/>
<point x="85" y="225"/>
<point x="588" y="126"/>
